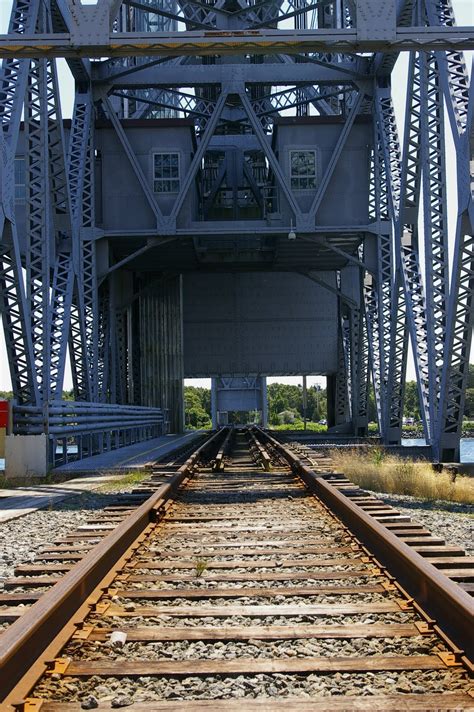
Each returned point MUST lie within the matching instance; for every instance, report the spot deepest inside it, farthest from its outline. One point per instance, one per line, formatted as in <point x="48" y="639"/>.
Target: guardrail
<point x="77" y="429"/>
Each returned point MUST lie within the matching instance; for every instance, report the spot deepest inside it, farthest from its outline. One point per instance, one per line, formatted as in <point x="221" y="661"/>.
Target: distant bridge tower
<point x="148" y="238"/>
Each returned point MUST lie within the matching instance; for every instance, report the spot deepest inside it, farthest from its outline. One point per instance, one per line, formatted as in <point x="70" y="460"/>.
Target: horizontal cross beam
<point x="109" y="44"/>
<point x="202" y="75"/>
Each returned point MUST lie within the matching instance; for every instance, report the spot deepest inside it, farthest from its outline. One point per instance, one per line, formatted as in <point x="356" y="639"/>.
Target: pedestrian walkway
<point x="137" y="455"/>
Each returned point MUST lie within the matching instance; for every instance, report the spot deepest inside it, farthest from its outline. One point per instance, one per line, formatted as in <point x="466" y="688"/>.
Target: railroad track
<point x="451" y="560"/>
<point x="232" y="587"/>
<point x="30" y="580"/>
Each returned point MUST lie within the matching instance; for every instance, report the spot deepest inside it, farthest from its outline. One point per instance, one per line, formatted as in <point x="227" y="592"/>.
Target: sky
<point x="464" y="10"/>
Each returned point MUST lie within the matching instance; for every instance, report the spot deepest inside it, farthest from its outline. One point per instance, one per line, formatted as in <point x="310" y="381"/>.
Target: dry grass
<point x="375" y="470"/>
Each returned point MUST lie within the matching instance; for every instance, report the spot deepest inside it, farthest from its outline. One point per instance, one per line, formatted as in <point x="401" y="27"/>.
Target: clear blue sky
<point x="465" y="16"/>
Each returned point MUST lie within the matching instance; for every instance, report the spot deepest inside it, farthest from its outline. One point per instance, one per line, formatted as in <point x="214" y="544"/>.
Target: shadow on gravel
<point x="429" y="506"/>
<point x="86" y="501"/>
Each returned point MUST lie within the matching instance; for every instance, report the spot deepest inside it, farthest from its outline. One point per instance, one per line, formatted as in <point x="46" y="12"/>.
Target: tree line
<point x="285" y="403"/>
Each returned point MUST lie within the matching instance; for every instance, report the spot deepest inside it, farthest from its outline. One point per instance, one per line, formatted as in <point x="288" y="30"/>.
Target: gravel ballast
<point x="454" y="522"/>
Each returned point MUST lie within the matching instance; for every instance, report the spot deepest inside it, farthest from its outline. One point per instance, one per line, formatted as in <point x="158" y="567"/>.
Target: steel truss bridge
<point x="231" y="72"/>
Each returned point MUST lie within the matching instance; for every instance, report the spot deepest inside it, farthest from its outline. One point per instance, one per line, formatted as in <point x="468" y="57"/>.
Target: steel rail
<point x="261" y="454"/>
<point x="223" y="450"/>
<point x="24" y="641"/>
<point x="442" y="599"/>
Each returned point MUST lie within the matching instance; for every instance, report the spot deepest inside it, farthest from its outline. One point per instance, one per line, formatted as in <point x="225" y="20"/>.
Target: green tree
<point x="470" y="378"/>
<point x="412" y="403"/>
<point x="469" y="405"/>
<point x="197" y="407"/>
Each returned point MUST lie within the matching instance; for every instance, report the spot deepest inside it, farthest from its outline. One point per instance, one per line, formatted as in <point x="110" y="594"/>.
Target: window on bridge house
<point x="303" y="170"/>
<point x="166" y="177"/>
<point x="20" y="180"/>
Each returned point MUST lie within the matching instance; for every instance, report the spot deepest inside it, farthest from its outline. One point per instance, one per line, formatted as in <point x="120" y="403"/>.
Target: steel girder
<point x="204" y="43"/>
<point x="359" y="365"/>
<point x="439" y="318"/>
<point x="454" y="369"/>
<point x="378" y="291"/>
<point x="18" y="339"/>
<point x="83" y="336"/>
<point x="343" y="405"/>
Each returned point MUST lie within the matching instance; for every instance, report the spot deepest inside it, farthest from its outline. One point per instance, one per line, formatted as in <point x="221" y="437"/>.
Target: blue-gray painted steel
<point x="207" y="165"/>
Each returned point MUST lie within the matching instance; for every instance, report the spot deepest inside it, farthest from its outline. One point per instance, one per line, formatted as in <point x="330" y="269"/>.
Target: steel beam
<point x="194" y="75"/>
<point x="119" y="44"/>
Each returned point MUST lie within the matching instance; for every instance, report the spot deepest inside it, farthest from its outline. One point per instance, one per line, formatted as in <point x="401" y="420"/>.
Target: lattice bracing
<point x="398" y="362"/>
<point x="362" y="397"/>
<point x="459" y="338"/>
<point x="60" y="309"/>
<point x="378" y="297"/>
<point x="83" y="336"/>
<point x="435" y="226"/>
<point x="390" y="146"/>
<point x="372" y="319"/>
<point x="17" y="334"/>
<point x="39" y="224"/>
<point x="453" y="65"/>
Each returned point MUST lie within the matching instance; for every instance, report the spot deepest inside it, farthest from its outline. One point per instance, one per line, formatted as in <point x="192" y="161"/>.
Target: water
<point x="467" y="447"/>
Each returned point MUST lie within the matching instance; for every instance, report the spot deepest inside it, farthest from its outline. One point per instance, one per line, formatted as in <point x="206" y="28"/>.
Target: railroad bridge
<point x="231" y="199"/>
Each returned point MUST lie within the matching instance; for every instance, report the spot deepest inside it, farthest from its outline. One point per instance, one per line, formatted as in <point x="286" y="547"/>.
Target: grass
<point x="374" y="469"/>
<point x="129" y="479"/>
<point x="201" y="566"/>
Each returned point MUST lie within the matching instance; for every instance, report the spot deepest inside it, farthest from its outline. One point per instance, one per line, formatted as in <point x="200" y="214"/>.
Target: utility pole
<point x="305" y="401"/>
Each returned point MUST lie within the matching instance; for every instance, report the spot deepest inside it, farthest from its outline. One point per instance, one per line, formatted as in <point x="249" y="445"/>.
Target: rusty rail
<point x="218" y="464"/>
<point x="261" y="454"/>
<point x="449" y="606"/>
<point x="24" y="641"/>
